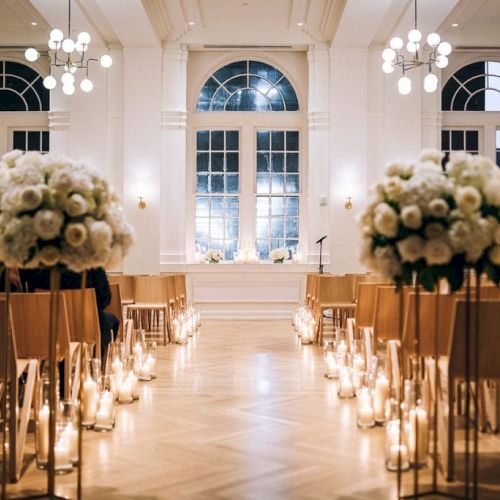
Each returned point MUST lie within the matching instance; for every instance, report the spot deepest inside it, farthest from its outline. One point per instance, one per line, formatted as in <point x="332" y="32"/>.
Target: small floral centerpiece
<point x="278" y="255"/>
<point x="56" y="212"/>
<point x="433" y="224"/>
<point x="214" y="256"/>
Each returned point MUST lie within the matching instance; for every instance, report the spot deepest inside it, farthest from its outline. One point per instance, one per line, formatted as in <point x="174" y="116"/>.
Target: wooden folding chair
<point x="127" y="284"/>
<point x="29" y="318"/>
<point x="180" y="289"/>
<point x="151" y="295"/>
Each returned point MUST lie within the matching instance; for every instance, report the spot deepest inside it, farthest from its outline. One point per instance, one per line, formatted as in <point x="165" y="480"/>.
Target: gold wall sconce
<point x="348" y="203"/>
<point x="142" y="203"/>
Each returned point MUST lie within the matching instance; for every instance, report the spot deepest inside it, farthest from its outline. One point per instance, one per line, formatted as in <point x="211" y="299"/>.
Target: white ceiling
<point x="293" y="24"/>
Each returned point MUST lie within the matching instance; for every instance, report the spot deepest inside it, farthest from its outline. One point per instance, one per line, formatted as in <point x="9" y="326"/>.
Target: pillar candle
<point x="125" y="392"/>
<point x="341" y="348"/>
<point x="89" y="400"/>
<point x="365" y="414"/>
<point x="43" y="433"/>
<point x="394" y="452"/>
<point x="418" y="418"/>
<point x="332" y="370"/>
<point x="380" y="397"/>
<point x="71" y="438"/>
<point x="61" y="454"/>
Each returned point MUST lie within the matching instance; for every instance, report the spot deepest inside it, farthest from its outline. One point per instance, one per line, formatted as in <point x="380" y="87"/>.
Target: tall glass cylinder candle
<point x="69" y="424"/>
<point x="331" y="367"/>
<point x="418" y="436"/>
<point x="365" y="418"/>
<point x="42" y="425"/>
<point x="345" y="386"/>
<point x="380" y="396"/>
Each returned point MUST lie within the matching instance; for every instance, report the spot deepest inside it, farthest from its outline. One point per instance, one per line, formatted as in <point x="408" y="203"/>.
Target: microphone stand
<point x="320" y="256"/>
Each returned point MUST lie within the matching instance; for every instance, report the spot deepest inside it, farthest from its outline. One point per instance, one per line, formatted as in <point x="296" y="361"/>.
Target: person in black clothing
<point x="97" y="279"/>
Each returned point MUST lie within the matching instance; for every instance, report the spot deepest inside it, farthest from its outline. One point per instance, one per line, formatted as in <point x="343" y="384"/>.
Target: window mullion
<point x="247" y="215"/>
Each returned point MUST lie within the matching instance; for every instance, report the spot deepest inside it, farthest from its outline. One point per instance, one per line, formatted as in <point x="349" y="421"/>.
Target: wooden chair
<point x="334" y="292"/>
<point x="488" y="367"/>
<point x="127" y="285"/>
<point x="151" y="295"/>
<point x="29" y="318"/>
<point x="115" y="307"/>
<point x="180" y="290"/>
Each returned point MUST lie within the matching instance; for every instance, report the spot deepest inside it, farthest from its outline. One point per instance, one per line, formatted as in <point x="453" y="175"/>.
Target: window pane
<point x="277" y="204"/>
<point x="278" y="162"/>
<point x="292" y="228"/>
<point x="19" y="140"/>
<point x="262" y="205"/>
<point x="457" y="140"/>
<point x="202" y="162"/>
<point x="263" y="249"/>
<point x="217" y="227"/>
<point x="292" y="141"/>
<point x="232" y="204"/>
<point x="217" y="162"/>
<point x="34" y="141"/>
<point x="202" y="206"/>
<point x="277" y="183"/>
<point x="292" y="162"/>
<point x="277" y="140"/>
<point x="217" y="206"/>
<point x="445" y="140"/>
<point x="292" y="205"/>
<point x="263" y="140"/>
<point x="202" y="183"/>
<point x="217" y="140"/>
<point x="217" y="183"/>
<point x="472" y="140"/>
<point x="232" y="140"/>
<point x="292" y="183"/>
<point x="202" y="141"/>
<point x="277" y="227"/>
<point x="202" y="228"/>
<point x="262" y="162"/>
<point x="232" y="228"/>
<point x="45" y="142"/>
<point x="232" y="183"/>
<point x="262" y="227"/>
<point x="262" y="183"/>
<point x="232" y="162"/>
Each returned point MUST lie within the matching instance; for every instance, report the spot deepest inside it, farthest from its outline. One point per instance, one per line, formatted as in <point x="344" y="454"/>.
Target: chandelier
<point x="70" y="54"/>
<point x="394" y="58"/>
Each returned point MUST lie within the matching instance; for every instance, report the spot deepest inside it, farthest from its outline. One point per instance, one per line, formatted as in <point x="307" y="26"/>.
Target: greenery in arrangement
<point x="279" y="255"/>
<point x="434" y="224"/>
<point x="57" y="212"/>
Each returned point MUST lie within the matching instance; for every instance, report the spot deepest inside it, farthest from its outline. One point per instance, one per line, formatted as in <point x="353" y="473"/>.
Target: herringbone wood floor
<point x="242" y="412"/>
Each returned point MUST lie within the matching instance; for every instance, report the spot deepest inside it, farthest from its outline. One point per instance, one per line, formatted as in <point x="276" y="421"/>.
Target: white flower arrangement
<point x="278" y="255"/>
<point x="214" y="256"/>
<point x="56" y="212"/>
<point x="432" y="223"/>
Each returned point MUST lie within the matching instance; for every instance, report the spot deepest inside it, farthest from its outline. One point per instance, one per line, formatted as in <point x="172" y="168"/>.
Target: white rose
<point x="411" y="248"/>
<point x="47" y="224"/>
<point x="494" y="255"/>
<point x="492" y="192"/>
<point x="11" y="201"/>
<point x="393" y="187"/>
<point x="49" y="256"/>
<point x="437" y="252"/>
<point x="411" y="217"/>
<point x="428" y="167"/>
<point x="365" y="222"/>
<point x="75" y="234"/>
<point x="433" y="155"/>
<point x="468" y="199"/>
<point x="386" y="220"/>
<point x="459" y="234"/>
<point x="11" y="157"/>
<point x="434" y="230"/>
<point x="386" y="261"/>
<point x="438" y="208"/>
<point x="31" y="197"/>
<point x="100" y="234"/>
<point x="61" y="180"/>
<point x="75" y="205"/>
<point x="395" y="169"/>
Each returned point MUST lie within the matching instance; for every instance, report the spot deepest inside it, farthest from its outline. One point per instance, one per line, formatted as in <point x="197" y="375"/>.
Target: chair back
<point x="386" y="314"/>
<point x="115" y="306"/>
<point x="334" y="289"/>
<point x="151" y="290"/>
<point x="366" y="278"/>
<point x="29" y="317"/>
<point x="365" y="305"/>
<point x="435" y="316"/>
<point x="173" y="300"/>
<point x="126" y="282"/>
<point x="489" y="314"/>
<point x="180" y="289"/>
<point x="83" y="317"/>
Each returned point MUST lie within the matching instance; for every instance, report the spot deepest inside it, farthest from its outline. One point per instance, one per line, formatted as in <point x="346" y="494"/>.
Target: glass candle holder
<point x="69" y="424"/>
<point x="418" y="435"/>
<point x="182" y="336"/>
<point x="365" y="415"/>
<point x="42" y="425"/>
<point x="105" y="416"/>
<point x="90" y="393"/>
<point x="381" y="392"/>
<point x="396" y="445"/>
<point x="345" y="386"/>
<point x="62" y="451"/>
<point x="152" y="357"/>
<point x="341" y="347"/>
<point x="331" y="367"/>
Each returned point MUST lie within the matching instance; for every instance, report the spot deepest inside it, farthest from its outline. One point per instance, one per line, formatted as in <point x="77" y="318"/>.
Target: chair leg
<point x="12" y="425"/>
<point x="164" y="326"/>
<point x="450" y="472"/>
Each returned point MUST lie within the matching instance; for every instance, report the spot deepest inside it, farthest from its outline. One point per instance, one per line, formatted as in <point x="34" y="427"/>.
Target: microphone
<point x="321" y="239"/>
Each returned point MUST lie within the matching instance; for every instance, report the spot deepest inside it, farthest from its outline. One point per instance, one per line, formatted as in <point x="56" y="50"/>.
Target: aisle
<point x="243" y="411"/>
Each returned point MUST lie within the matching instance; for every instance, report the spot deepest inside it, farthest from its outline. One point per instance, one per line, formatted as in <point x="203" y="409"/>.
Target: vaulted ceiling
<point x="286" y="24"/>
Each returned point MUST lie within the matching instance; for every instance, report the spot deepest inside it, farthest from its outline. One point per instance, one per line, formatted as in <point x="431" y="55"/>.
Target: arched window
<point x="247" y="86"/>
<point x="21" y="88"/>
<point x="475" y="87"/>
<point x="247" y="165"/>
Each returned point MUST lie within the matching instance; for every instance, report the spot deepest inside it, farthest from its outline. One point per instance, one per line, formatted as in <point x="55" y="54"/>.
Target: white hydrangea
<point x="468" y="198"/>
<point x="432" y="155"/>
<point x="393" y="188"/>
<point x="434" y="230"/>
<point x="386" y="262"/>
<point x="411" y="248"/>
<point x="492" y="192"/>
<point x="18" y="241"/>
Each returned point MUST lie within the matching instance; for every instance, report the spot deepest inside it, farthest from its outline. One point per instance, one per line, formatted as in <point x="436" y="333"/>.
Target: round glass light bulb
<point x="31" y="54"/>
<point x="396" y="43"/>
<point x="441" y="61"/>
<point x="106" y="61"/>
<point x="49" y="82"/>
<point x="68" y="45"/>
<point x="444" y="48"/>
<point x="84" y="38"/>
<point x="67" y="79"/>
<point x="404" y="85"/>
<point x="388" y="55"/>
<point x="414" y="36"/>
<point x="52" y="44"/>
<point x="387" y="67"/>
<point x="56" y="35"/>
<point x="433" y="39"/>
<point x="86" y="85"/>
<point x="412" y="47"/>
<point x="430" y="83"/>
<point x="80" y="47"/>
<point x="68" y="89"/>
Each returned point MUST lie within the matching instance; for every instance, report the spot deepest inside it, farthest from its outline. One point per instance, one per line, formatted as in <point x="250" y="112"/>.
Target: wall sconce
<point x="142" y="203"/>
<point x="348" y="203"/>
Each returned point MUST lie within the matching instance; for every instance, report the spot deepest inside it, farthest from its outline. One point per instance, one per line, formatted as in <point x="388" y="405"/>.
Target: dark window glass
<point x="263" y="140"/>
<point x="202" y="142"/>
<point x="472" y="140"/>
<point x="463" y="74"/>
<point x="33" y="141"/>
<point x="32" y="99"/>
<point x="202" y="162"/>
<point x="232" y="140"/>
<point x="217" y="162"/>
<point x="476" y="102"/>
<point x="219" y="100"/>
<point x="233" y="69"/>
<point x="278" y="162"/>
<point x="445" y="140"/>
<point x="236" y="83"/>
<point x="477" y="83"/>
<point x="45" y="141"/>
<point x="460" y="99"/>
<point x="9" y="101"/>
<point x="448" y="92"/>
<point x="457" y="140"/>
<point x="21" y="70"/>
<point x="15" y="83"/>
<point x="247" y="100"/>
<point x="206" y="94"/>
<point x="277" y="141"/>
<point x="265" y="71"/>
<point x="217" y="140"/>
<point x="232" y="162"/>
<point x="19" y="140"/>
<point x="292" y="141"/>
<point x="289" y="96"/>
